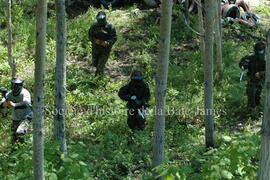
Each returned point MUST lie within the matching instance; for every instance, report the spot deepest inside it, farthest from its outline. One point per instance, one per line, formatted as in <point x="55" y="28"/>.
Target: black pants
<point x="135" y="121"/>
<point x="22" y="125"/>
<point x="100" y="58"/>
<point x="15" y="136"/>
<point x="254" y="90"/>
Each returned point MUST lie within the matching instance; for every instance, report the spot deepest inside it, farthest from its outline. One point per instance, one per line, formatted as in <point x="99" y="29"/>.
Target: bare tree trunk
<point x="60" y="82"/>
<point x="201" y="21"/>
<point x="264" y="169"/>
<point x="38" y="109"/>
<point x="208" y="72"/>
<point x="11" y="62"/>
<point x="218" y="35"/>
<point x="161" y="83"/>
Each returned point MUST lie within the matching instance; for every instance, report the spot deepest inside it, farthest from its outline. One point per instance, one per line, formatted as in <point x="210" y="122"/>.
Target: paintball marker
<point x="4" y="95"/>
<point x="242" y="74"/>
<point x="244" y="65"/>
<point x="141" y="113"/>
<point x="4" y="92"/>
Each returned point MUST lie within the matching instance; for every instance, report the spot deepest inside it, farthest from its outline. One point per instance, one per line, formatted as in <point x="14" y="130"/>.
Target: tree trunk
<point x="38" y="107"/>
<point x="264" y="169"/>
<point x="218" y="36"/>
<point x="161" y="83"/>
<point x="201" y="21"/>
<point x="60" y="82"/>
<point x="11" y="62"/>
<point x="208" y="72"/>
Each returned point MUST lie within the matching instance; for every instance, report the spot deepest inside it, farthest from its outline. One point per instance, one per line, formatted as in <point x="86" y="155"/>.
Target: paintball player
<point x="137" y="95"/>
<point x="102" y="36"/>
<point x="19" y="100"/>
<point x="256" y="72"/>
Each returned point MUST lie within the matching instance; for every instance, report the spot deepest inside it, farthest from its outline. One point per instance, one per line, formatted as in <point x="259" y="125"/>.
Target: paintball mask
<point x="17" y="86"/>
<point x="259" y="50"/>
<point x="136" y="76"/>
<point x="101" y="18"/>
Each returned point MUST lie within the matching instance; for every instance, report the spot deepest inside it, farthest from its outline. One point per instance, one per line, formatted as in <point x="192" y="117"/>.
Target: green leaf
<point x="67" y="160"/>
<point x="52" y="176"/>
<point x="82" y="163"/>
<point x="74" y="155"/>
<point x="11" y="164"/>
<point x="227" y="138"/>
<point x="169" y="178"/>
<point x="226" y="174"/>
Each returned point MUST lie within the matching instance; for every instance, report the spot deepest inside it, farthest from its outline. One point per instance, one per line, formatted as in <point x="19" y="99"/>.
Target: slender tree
<point x="218" y="36"/>
<point x="264" y="169"/>
<point x="11" y="61"/>
<point x="38" y="108"/>
<point x="201" y="20"/>
<point x="208" y="72"/>
<point x="161" y="83"/>
<point x="60" y="82"/>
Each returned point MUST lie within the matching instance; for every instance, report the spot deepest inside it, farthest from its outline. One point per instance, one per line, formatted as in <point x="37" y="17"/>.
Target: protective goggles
<point x="137" y="77"/>
<point x="261" y="51"/>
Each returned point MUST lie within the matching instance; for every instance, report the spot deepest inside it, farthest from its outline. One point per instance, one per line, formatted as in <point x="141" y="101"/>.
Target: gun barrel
<point x="242" y="74"/>
<point x="3" y="91"/>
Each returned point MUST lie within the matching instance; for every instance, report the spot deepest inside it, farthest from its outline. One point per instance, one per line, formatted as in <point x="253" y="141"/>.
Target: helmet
<point x="16" y="85"/>
<point x="259" y="48"/>
<point x="17" y="81"/>
<point x="136" y="75"/>
<point x="101" y="18"/>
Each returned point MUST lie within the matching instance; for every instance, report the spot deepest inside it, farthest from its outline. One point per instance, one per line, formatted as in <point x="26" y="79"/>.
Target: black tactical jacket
<point x="256" y="65"/>
<point x="106" y="33"/>
<point x="140" y="90"/>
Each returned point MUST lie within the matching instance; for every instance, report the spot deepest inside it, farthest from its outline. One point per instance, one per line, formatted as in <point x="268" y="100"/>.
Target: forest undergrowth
<point x="100" y="145"/>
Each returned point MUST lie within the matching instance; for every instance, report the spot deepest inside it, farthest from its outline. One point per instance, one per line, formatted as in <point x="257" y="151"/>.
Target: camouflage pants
<point x="18" y="129"/>
<point x="254" y="90"/>
<point x="100" y="59"/>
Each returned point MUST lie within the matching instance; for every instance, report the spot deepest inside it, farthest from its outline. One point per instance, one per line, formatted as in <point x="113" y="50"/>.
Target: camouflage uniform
<point x="98" y="34"/>
<point x="137" y="94"/>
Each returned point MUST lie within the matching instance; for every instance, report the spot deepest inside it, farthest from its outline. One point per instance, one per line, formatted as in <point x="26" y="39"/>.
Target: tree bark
<point x="161" y="83"/>
<point x="11" y="62"/>
<point x="264" y="169"/>
<point x="218" y="36"/>
<point x="208" y="72"/>
<point x="201" y="21"/>
<point x="60" y="81"/>
<point x="38" y="108"/>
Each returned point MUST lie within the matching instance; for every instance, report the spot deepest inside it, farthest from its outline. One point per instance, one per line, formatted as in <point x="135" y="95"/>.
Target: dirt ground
<point x="265" y="21"/>
<point x="118" y="70"/>
<point x="255" y="3"/>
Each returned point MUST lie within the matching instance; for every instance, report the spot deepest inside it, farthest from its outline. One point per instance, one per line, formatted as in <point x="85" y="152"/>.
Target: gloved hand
<point x="138" y="102"/>
<point x="9" y="104"/>
<point x="102" y="43"/>
<point x="133" y="97"/>
<point x="257" y="75"/>
<point x="105" y="43"/>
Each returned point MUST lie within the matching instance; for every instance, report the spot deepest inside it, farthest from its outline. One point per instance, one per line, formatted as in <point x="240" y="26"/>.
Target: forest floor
<point x="125" y="58"/>
<point x="255" y="3"/>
